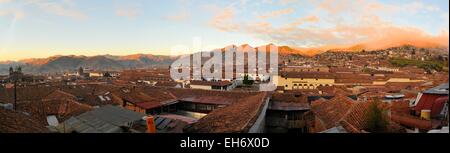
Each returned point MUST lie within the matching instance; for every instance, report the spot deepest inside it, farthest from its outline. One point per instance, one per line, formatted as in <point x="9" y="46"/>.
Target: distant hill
<point x="288" y="50"/>
<point x="58" y="64"/>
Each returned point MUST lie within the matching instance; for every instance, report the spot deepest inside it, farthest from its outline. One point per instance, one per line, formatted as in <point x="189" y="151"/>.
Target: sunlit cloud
<point x="15" y="13"/>
<point x="277" y="13"/>
<point x="64" y="8"/>
<point x="223" y="20"/>
<point x="5" y="1"/>
<point x="178" y="17"/>
<point x="303" y="24"/>
<point x="349" y="23"/>
<point x="128" y="12"/>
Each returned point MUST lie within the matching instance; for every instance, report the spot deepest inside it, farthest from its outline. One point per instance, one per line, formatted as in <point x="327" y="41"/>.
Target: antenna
<point x="65" y="111"/>
<point x="15" y="93"/>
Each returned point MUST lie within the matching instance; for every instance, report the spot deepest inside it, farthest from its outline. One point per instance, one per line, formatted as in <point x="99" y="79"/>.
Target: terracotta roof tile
<point x="333" y="110"/>
<point x="322" y="75"/>
<point x="235" y="118"/>
<point x="17" y="122"/>
<point x="211" y="83"/>
<point x="63" y="109"/>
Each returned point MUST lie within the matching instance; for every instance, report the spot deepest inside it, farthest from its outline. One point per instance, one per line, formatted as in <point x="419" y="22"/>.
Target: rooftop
<point x="18" y="122"/>
<point x="211" y="83"/>
<point x="440" y="90"/>
<point x="332" y="111"/>
<point x="289" y="102"/>
<point x="106" y="119"/>
<point x="236" y="118"/>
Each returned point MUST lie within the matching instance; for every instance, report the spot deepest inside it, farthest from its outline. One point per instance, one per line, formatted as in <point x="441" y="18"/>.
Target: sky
<point x="42" y="28"/>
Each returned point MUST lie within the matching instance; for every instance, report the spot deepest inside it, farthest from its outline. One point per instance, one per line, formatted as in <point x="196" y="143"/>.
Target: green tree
<point x="107" y="74"/>
<point x="248" y="80"/>
<point x="376" y="118"/>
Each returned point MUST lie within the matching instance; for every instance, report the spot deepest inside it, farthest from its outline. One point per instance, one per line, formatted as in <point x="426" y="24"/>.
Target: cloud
<point x="277" y="13"/>
<point x="179" y="17"/>
<point x="419" y="6"/>
<point x="15" y="13"/>
<point x="301" y="21"/>
<point x="64" y="8"/>
<point x="223" y="20"/>
<point x="337" y="24"/>
<point x="267" y="1"/>
<point x="5" y="1"/>
<point x="128" y="12"/>
<point x="445" y="17"/>
<point x="286" y="2"/>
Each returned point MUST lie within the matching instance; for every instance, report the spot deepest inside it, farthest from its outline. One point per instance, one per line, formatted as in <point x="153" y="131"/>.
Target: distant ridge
<point x="59" y="63"/>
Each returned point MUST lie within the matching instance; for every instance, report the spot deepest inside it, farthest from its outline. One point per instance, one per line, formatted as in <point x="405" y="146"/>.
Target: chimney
<point x="150" y="124"/>
<point x="425" y="114"/>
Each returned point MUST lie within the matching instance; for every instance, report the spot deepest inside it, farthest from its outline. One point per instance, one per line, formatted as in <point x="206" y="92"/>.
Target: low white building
<point x="213" y="85"/>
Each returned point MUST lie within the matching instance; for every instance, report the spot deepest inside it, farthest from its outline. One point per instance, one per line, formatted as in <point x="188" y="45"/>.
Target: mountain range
<point x="58" y="64"/>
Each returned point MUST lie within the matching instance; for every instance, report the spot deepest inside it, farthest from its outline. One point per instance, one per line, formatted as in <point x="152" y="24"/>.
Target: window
<point x="202" y="107"/>
<point x="216" y="87"/>
<point x="150" y="111"/>
<point x="286" y="85"/>
<point x="189" y="106"/>
<point x="209" y="107"/>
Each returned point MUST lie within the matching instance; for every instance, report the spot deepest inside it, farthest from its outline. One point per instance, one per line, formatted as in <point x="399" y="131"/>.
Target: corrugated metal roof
<point x="337" y="129"/>
<point x="441" y="90"/>
<point x="107" y="119"/>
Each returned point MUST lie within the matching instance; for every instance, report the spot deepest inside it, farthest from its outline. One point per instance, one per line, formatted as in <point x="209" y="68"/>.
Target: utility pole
<point x="15" y="76"/>
<point x="15" y="92"/>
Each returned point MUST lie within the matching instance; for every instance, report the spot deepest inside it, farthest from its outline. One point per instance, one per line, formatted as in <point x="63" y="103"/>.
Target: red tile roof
<point x="401" y="107"/>
<point x="236" y="118"/>
<point x="30" y="93"/>
<point x="319" y="75"/>
<point x="411" y="121"/>
<point x="210" y="96"/>
<point x="332" y="111"/>
<point x="211" y="83"/>
<point x="146" y="97"/>
<point x="432" y="102"/>
<point x="63" y="109"/>
<point x="350" y="114"/>
<point x="289" y="101"/>
<point x="17" y="122"/>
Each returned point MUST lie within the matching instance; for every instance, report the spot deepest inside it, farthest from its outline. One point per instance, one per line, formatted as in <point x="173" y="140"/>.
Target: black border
<point x="278" y="142"/>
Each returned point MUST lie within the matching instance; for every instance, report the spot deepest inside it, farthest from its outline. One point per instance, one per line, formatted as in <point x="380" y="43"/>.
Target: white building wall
<point x="201" y="87"/>
<point x="260" y="123"/>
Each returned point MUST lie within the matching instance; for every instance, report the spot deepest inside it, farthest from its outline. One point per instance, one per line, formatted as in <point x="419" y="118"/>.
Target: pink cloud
<point x="223" y="20"/>
<point x="362" y="26"/>
<point x="179" y="17"/>
<point x="277" y="13"/>
<point x="63" y="8"/>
